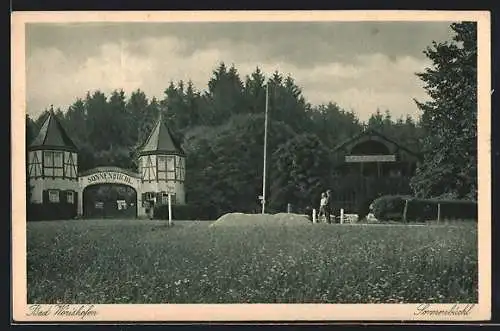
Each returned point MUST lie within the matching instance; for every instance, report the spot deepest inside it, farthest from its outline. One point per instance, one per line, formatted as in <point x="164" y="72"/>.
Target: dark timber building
<point x="369" y="165"/>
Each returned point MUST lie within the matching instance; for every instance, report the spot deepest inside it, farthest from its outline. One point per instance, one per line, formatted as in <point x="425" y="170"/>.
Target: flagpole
<point x="265" y="153"/>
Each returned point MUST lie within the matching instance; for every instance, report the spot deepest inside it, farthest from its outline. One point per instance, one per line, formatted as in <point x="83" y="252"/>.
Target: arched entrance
<point x="109" y="200"/>
<point x="110" y="192"/>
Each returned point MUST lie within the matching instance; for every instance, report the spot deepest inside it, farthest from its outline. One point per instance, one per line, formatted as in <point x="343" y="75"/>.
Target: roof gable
<point x="371" y="134"/>
<point x="161" y="141"/>
<point x="52" y="136"/>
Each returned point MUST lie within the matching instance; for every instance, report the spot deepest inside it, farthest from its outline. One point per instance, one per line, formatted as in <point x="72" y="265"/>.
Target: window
<point x="70" y="197"/>
<point x="162" y="167"/>
<point x="53" y="163"/>
<point x="143" y="167"/>
<point x="53" y="196"/>
<point x="164" y="198"/>
<point x="170" y="167"/>
<point x="166" y="168"/>
<point x="180" y="168"/>
<point x="58" y="164"/>
<point x="48" y="164"/>
<point x="150" y="195"/>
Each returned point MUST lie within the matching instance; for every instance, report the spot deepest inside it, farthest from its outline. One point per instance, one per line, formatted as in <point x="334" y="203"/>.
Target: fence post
<point x="405" y="211"/>
<point x="169" y="209"/>
<point x="439" y="212"/>
<point x="289" y="208"/>
<point x="314" y="216"/>
<point x="341" y="215"/>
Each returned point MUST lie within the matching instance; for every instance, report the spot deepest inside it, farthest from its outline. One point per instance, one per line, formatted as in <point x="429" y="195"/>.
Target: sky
<point x="361" y="66"/>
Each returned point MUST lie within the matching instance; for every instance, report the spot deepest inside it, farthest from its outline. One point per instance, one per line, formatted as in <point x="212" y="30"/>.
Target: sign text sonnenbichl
<point x="110" y="176"/>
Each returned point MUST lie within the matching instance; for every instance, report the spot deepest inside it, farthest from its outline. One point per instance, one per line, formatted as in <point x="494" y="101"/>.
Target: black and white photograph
<point x="221" y="166"/>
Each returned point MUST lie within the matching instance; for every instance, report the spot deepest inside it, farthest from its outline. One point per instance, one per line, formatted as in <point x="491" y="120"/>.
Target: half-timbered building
<point x="162" y="167"/>
<point x="53" y="170"/>
<point x="59" y="191"/>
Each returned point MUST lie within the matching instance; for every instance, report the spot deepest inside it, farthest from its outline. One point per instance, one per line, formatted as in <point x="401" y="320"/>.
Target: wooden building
<point x="369" y="165"/>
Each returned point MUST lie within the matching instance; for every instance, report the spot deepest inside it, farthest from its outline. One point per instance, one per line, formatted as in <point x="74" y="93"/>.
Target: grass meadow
<point x="136" y="261"/>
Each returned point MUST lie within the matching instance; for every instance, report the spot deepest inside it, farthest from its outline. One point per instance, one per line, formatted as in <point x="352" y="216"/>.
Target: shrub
<point x="422" y="210"/>
<point x="185" y="212"/>
<point x="391" y="207"/>
<point x="45" y="212"/>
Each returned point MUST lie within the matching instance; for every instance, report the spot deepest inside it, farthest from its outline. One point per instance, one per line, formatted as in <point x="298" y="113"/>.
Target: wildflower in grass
<point x="298" y="265"/>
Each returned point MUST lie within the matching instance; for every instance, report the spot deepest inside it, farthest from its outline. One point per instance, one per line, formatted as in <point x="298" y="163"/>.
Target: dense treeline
<point x="222" y="132"/>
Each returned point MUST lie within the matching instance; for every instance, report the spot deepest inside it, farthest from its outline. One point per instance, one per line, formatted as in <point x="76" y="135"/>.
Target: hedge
<point x="391" y="207"/>
<point x="186" y="212"/>
<point x="45" y="212"/>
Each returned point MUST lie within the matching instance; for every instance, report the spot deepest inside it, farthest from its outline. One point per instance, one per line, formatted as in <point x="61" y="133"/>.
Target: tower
<point x="162" y="167"/>
<point x="53" y="171"/>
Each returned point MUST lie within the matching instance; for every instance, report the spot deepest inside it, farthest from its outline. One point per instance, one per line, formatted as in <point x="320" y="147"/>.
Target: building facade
<point x="370" y="165"/>
<point x="59" y="191"/>
<point x="53" y="171"/>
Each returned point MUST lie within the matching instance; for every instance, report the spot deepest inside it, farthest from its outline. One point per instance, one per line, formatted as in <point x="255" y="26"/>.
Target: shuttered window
<point x="53" y="196"/>
<point x="70" y="197"/>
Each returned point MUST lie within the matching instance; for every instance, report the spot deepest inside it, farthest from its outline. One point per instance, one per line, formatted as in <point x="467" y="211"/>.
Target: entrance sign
<point x="109" y="177"/>
<point x="370" y="158"/>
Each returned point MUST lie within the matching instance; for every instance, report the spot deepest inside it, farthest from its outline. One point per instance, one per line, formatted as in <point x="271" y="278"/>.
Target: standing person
<point x="329" y="206"/>
<point x="323" y="207"/>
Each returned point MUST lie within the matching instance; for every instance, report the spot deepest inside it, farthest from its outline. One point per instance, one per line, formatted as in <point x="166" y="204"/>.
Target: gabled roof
<point x="371" y="132"/>
<point x="52" y="136"/>
<point x="161" y="141"/>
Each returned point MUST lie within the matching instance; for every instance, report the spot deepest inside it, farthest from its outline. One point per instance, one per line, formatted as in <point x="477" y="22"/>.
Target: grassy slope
<point x="144" y="262"/>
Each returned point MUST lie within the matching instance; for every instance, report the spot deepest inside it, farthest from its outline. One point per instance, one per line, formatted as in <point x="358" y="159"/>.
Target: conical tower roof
<point x="161" y="141"/>
<point x="52" y="136"/>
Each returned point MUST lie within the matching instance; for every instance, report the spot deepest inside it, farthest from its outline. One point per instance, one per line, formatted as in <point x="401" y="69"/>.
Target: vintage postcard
<point x="251" y="166"/>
